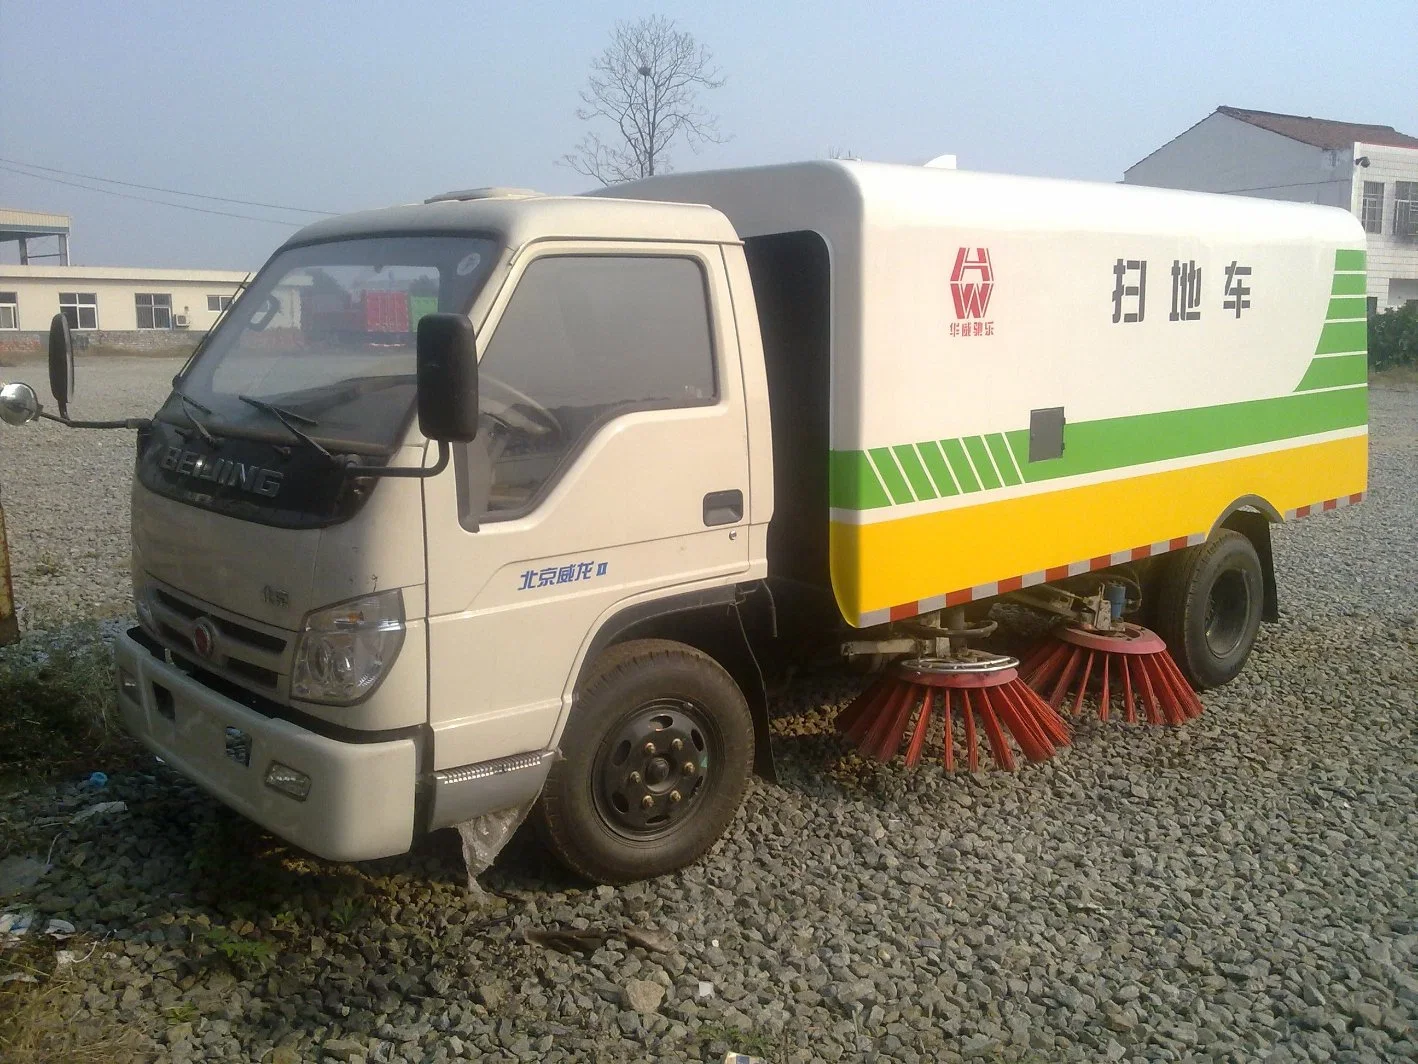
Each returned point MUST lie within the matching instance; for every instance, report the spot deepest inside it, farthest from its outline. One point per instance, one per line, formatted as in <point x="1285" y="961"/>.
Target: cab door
<point x="612" y="463"/>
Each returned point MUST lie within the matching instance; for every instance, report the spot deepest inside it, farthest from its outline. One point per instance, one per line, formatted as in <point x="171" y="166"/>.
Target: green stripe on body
<point x="915" y="472"/>
<point x="1351" y="307"/>
<point x="980" y="455"/>
<point x="955" y="455"/>
<point x="1349" y="284"/>
<point x="1335" y="371"/>
<point x="890" y="475"/>
<point x="1118" y="443"/>
<point x="1000" y="450"/>
<point x="1349" y="260"/>
<point x="1096" y="446"/>
<point x="852" y="483"/>
<point x="940" y="472"/>
<point x="1342" y="337"/>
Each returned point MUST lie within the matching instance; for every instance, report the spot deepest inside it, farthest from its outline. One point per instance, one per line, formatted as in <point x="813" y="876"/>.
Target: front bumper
<point x="361" y="799"/>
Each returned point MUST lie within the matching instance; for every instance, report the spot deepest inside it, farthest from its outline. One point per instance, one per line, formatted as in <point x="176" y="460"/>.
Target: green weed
<point x="238" y="949"/>
<point x="754" y="1042"/>
<point x="61" y="710"/>
<point x="343" y="911"/>
<point x="48" y="565"/>
<point x="183" y="1013"/>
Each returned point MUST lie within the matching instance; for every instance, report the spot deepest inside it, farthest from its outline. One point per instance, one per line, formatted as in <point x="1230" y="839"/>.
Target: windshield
<point x="326" y="333"/>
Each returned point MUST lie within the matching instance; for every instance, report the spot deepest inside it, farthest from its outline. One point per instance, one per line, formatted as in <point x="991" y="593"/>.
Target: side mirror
<point x="18" y="404"/>
<point x="61" y="363"/>
<point x="447" y="378"/>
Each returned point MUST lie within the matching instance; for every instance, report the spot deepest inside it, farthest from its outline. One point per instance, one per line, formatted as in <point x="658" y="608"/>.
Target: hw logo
<point x="971" y="282"/>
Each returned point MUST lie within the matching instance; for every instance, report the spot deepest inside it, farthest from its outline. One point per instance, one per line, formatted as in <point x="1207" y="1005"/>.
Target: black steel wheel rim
<point x="1228" y="609"/>
<point x="655" y="767"/>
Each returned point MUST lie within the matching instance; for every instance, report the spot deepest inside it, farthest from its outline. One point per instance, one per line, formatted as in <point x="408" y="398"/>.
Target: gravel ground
<point x="1242" y="888"/>
<point x="65" y="492"/>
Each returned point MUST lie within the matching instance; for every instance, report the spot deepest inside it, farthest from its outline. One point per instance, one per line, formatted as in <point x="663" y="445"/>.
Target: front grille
<point x="265" y="677"/>
<point x="243" y="654"/>
<point x="175" y="604"/>
<point x="179" y="639"/>
<point x="240" y="632"/>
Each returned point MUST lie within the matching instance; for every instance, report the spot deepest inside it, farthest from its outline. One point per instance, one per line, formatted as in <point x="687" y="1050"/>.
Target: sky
<point x="338" y="106"/>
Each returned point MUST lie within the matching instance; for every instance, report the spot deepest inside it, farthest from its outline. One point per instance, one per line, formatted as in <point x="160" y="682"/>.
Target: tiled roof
<point x="1321" y="132"/>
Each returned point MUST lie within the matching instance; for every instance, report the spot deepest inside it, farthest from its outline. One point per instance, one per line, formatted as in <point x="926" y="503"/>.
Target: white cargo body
<point x="1198" y="349"/>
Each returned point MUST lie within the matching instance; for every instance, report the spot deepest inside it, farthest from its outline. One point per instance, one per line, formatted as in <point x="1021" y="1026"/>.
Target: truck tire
<point x="655" y="760"/>
<point x="1208" y="606"/>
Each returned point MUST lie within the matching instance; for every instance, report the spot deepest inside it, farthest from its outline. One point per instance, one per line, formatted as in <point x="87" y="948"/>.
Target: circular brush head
<point x="1130" y="662"/>
<point x="980" y="695"/>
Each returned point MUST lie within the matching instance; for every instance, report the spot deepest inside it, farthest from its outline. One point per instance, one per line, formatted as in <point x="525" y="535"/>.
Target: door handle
<point x="723" y="507"/>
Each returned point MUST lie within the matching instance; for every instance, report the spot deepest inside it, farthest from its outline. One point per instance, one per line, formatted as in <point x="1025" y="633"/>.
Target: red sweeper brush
<point x="961" y="698"/>
<point x="1126" y="661"/>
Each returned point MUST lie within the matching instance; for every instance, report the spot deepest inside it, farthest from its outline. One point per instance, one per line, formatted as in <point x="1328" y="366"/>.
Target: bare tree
<point x="646" y="84"/>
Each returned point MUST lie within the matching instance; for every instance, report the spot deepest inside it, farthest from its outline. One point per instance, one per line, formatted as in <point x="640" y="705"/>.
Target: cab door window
<point x="584" y="339"/>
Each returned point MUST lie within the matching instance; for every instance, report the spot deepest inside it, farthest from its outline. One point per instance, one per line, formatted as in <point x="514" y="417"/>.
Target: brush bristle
<point x="899" y="710"/>
<point x="1139" y="673"/>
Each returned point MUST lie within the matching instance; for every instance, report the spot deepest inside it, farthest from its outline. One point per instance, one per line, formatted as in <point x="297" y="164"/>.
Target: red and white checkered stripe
<point x="1321" y="507"/>
<point x="1059" y="572"/>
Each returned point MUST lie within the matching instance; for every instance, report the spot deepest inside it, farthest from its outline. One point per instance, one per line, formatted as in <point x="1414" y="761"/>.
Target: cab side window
<point x="584" y="339"/>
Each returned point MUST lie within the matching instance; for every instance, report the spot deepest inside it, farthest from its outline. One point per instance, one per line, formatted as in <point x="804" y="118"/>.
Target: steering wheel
<point x="541" y="421"/>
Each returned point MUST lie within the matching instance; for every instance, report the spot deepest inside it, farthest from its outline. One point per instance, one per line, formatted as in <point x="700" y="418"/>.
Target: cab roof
<point x="523" y="217"/>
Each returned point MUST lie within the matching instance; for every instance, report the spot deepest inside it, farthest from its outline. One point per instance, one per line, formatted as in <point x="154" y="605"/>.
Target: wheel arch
<point x="1252" y="516"/>
<point x="710" y="620"/>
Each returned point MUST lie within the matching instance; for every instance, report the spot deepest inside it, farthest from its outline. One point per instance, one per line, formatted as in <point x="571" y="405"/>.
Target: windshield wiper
<point x="288" y="418"/>
<point x="202" y="343"/>
<point x="188" y="405"/>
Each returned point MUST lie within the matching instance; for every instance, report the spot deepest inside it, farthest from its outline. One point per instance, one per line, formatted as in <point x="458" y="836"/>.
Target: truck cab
<point x="350" y="658"/>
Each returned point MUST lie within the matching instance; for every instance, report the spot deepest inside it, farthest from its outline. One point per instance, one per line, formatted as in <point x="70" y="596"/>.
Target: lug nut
<point x="677" y="745"/>
<point x="650" y="749"/>
<point x="674" y="796"/>
<point x="647" y="802"/>
<point x="688" y="768"/>
<point x="635" y="777"/>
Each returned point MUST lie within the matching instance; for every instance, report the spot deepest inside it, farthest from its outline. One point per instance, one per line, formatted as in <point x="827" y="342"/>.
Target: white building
<point x="1369" y="170"/>
<point x="112" y="300"/>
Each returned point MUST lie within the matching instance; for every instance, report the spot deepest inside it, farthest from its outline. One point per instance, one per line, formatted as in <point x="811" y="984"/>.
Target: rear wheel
<point x="655" y="760"/>
<point x="1207" y="607"/>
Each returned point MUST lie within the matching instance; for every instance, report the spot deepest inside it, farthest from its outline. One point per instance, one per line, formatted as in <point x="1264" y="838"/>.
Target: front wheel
<point x="655" y="761"/>
<point x="1208" y="607"/>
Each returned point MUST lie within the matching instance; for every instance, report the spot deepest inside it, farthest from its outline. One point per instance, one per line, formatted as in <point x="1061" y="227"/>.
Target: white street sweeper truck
<point x="504" y="499"/>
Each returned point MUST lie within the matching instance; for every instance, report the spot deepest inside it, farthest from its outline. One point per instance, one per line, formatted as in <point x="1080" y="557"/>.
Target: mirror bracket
<point x="439" y="466"/>
<point x="139" y="423"/>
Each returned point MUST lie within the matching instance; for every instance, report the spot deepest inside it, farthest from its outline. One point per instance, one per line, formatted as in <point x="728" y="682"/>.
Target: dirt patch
<point x="1396" y="378"/>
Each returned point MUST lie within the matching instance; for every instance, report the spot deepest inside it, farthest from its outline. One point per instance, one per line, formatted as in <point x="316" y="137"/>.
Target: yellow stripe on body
<point x="889" y="563"/>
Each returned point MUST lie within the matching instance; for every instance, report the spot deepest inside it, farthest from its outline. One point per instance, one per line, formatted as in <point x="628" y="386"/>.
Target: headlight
<point x="344" y="650"/>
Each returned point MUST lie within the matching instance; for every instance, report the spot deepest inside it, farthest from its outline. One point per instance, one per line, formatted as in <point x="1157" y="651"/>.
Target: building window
<point x="1373" y="305"/>
<point x="81" y="308"/>
<point x="9" y="311"/>
<point x="1405" y="209"/>
<point x="154" y="311"/>
<point x="217" y="304"/>
<point x="1371" y="213"/>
